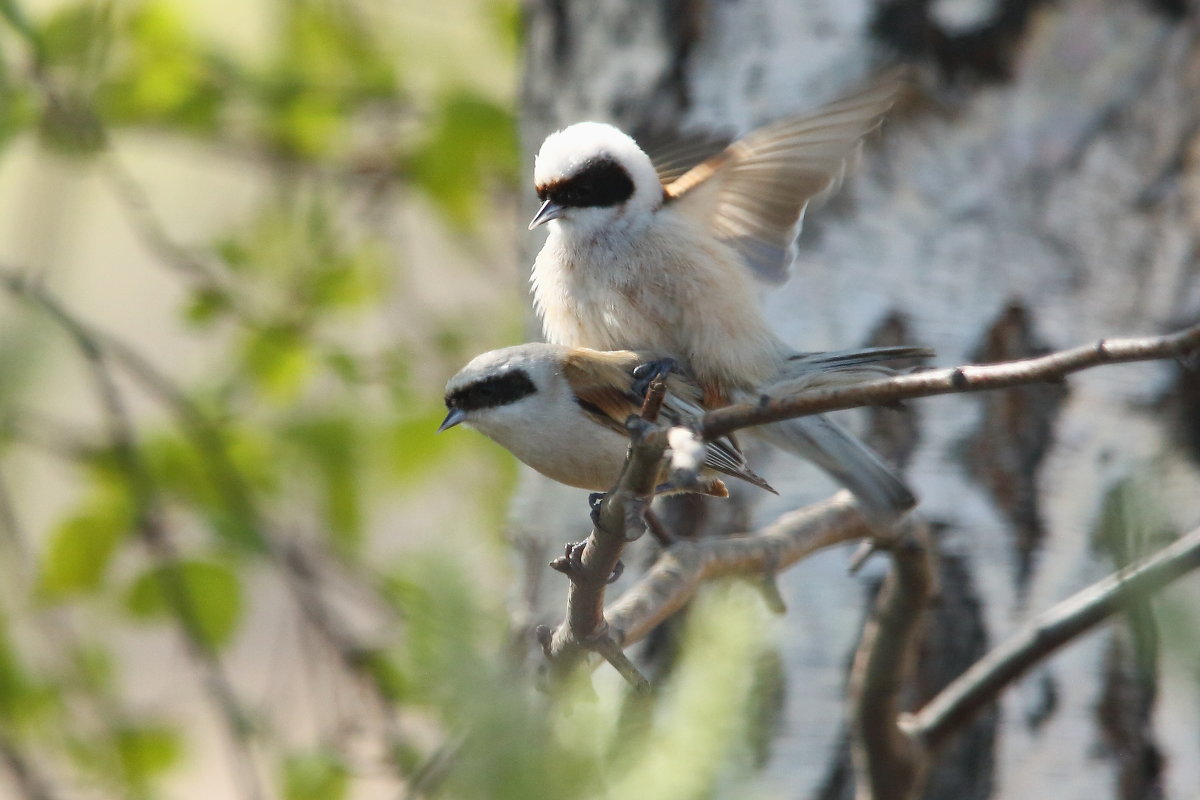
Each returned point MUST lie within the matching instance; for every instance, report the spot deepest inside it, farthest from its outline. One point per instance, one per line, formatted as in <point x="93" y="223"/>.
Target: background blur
<point x="243" y="245"/>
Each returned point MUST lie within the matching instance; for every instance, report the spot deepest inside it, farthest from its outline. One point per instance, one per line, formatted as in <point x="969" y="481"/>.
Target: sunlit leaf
<point x="146" y="752"/>
<point x="165" y="74"/>
<point x="210" y="593"/>
<point x="314" y="776"/>
<point x="81" y="547"/>
<point x="279" y="360"/>
<point x="307" y="126"/>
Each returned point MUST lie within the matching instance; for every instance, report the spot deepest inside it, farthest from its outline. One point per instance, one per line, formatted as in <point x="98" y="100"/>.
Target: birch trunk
<point x="1040" y="190"/>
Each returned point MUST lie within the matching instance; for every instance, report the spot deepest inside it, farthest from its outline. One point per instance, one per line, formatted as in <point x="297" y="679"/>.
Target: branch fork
<point x="618" y="518"/>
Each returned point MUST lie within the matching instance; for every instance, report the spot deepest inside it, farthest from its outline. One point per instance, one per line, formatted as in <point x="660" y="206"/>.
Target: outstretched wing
<point x="673" y="152"/>
<point x="753" y="194"/>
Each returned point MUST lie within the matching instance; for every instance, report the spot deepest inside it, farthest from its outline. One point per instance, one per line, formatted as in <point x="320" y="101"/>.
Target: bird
<point x="563" y="411"/>
<point x="642" y="256"/>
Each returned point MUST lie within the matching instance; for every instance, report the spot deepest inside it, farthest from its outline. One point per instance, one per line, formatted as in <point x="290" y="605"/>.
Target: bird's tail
<point x="883" y="497"/>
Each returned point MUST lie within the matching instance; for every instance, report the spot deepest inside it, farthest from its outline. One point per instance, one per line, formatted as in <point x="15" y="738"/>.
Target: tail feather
<point x="833" y="359"/>
<point x="883" y="497"/>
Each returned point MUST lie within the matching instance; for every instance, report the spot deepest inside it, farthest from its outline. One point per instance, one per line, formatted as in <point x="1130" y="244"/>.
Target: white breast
<point x="674" y="289"/>
<point x="561" y="442"/>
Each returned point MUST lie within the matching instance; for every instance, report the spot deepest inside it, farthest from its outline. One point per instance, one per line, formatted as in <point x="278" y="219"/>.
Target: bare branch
<point x="971" y="378"/>
<point x="617" y="521"/>
<point x="886" y="764"/>
<point x="980" y="685"/>
<point x="682" y="568"/>
<point x="33" y="784"/>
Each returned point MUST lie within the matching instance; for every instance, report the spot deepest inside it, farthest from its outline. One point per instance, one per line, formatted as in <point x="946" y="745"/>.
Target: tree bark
<point x="1039" y="189"/>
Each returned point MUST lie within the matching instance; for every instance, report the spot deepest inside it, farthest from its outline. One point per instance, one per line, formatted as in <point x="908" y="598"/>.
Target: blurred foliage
<point x="283" y="465"/>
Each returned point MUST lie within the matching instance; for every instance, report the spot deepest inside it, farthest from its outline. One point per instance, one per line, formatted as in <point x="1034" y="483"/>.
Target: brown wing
<point x="673" y="152"/>
<point x="753" y="194"/>
<point x="603" y="384"/>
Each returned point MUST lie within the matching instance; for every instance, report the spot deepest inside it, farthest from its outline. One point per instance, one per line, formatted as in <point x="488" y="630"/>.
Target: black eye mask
<point x="602" y="182"/>
<point x="492" y="392"/>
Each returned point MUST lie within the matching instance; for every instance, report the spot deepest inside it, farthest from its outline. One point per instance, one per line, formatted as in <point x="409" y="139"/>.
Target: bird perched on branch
<point x="563" y="411"/>
<point x="644" y="257"/>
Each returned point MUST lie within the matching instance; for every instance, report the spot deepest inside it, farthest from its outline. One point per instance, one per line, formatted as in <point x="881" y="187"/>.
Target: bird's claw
<point x="595" y="501"/>
<point x="647" y="373"/>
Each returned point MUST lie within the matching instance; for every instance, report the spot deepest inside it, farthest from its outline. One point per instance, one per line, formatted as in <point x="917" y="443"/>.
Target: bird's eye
<point x="493" y="391"/>
<point x="603" y="182"/>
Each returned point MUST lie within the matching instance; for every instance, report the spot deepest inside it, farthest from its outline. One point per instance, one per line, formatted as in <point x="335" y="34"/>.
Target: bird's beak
<point x="549" y="210"/>
<point x="455" y="416"/>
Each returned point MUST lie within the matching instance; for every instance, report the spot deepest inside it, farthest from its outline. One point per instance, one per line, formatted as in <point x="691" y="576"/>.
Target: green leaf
<point x="206" y="305"/>
<point x="81" y="547"/>
<point x="472" y="141"/>
<point x="68" y="35"/>
<point x="165" y="74"/>
<point x="279" y="360"/>
<point x="307" y="126"/>
<point x="328" y="66"/>
<point x="347" y="281"/>
<point x="333" y="445"/>
<point x="15" y="683"/>
<point x="17" y="111"/>
<point x="314" y="776"/>
<point x="212" y="592"/>
<point x="185" y="474"/>
<point x="146" y="752"/>
<point x="388" y="675"/>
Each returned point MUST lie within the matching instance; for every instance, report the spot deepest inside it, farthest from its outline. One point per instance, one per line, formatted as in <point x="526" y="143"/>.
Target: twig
<point x="886" y="764"/>
<point x="618" y="520"/>
<point x="33" y="784"/>
<point x="680" y="570"/>
<point x="980" y="685"/>
<point x="969" y="378"/>
<point x="132" y="195"/>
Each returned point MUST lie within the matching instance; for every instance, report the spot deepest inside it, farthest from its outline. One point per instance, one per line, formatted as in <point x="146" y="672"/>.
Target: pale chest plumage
<point x="670" y="288"/>
<point x="568" y="448"/>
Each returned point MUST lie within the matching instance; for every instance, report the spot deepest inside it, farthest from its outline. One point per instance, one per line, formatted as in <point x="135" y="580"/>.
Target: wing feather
<point x="754" y="193"/>
<point x="603" y="383"/>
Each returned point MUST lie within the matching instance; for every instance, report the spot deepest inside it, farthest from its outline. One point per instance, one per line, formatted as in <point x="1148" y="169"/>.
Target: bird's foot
<point x="647" y="373"/>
